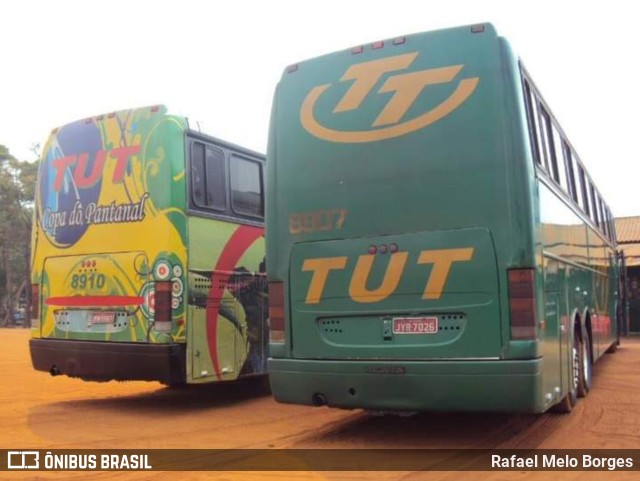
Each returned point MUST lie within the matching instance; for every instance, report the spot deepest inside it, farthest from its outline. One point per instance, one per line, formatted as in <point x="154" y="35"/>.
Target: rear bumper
<point x="105" y="361"/>
<point x="492" y="386"/>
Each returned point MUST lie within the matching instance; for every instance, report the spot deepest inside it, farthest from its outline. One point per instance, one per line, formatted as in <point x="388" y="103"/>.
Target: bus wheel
<point x="584" y="384"/>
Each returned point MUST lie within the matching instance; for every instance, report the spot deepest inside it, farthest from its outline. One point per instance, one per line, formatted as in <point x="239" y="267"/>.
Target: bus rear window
<point x="246" y="191"/>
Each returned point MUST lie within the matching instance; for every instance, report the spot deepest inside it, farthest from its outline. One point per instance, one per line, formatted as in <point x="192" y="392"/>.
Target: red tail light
<point x="35" y="302"/>
<point x="276" y="312"/>
<point x="522" y="303"/>
<point x="162" y="306"/>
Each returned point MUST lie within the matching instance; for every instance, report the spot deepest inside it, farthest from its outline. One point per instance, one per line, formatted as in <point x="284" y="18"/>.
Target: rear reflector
<point x="522" y="303"/>
<point x="276" y="311"/>
<point x="162" y="306"/>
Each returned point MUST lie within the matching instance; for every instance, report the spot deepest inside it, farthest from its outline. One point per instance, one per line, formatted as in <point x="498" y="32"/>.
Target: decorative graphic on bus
<point x="72" y="181"/>
<point x="235" y="293"/>
<point x="109" y="226"/>
<point x="405" y="87"/>
<point x="163" y="270"/>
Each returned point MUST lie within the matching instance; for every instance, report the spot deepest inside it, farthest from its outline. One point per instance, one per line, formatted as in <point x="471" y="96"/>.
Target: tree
<point x="17" y="188"/>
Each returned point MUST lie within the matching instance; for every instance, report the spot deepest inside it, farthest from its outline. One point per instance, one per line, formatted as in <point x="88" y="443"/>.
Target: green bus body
<point x="148" y="253"/>
<point x="407" y="181"/>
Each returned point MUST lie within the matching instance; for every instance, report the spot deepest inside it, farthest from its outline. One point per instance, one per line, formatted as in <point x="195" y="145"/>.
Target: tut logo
<point x="23" y="460"/>
<point x="406" y="88"/>
<point x="441" y="259"/>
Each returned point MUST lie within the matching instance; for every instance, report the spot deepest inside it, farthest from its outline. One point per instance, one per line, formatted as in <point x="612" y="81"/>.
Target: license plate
<point x="103" y="317"/>
<point x="415" y="325"/>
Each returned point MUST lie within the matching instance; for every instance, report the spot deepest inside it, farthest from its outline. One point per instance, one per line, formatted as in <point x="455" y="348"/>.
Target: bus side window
<point x="573" y="190"/>
<point x="549" y="152"/>
<point x="559" y="160"/>
<point x="216" y="194"/>
<point x="247" y="197"/>
<point x="593" y="206"/>
<point x="198" y="185"/>
<point x="534" y="125"/>
<point x="603" y="217"/>
<point x="584" y="202"/>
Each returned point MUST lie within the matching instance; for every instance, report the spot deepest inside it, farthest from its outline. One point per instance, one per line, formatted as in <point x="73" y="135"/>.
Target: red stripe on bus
<point x="100" y="301"/>
<point x="238" y="244"/>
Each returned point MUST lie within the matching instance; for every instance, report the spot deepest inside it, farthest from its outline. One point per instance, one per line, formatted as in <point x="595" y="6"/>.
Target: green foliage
<point x="17" y="189"/>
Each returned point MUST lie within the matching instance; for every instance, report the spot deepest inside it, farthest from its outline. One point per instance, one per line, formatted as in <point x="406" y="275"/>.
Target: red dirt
<point x="42" y="412"/>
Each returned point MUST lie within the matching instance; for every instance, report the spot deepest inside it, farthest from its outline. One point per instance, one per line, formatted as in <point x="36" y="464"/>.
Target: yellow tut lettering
<point x="358" y="287"/>
<point x="442" y="261"/>
<point x="321" y="268"/>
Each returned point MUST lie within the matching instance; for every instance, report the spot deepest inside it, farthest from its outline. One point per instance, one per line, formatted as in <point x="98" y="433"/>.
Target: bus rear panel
<point x="402" y="247"/>
<point x="133" y="276"/>
<point x="108" y="290"/>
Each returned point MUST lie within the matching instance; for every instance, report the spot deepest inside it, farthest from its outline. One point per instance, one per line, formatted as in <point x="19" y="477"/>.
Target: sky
<point x="218" y="62"/>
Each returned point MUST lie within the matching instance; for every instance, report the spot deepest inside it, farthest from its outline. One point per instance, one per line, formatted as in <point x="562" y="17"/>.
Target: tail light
<point x="35" y="304"/>
<point x="162" y="306"/>
<point x="522" y="303"/>
<point x="276" y="312"/>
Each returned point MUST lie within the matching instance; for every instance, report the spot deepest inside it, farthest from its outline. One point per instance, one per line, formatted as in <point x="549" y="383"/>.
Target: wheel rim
<point x="586" y="371"/>
<point x="576" y="368"/>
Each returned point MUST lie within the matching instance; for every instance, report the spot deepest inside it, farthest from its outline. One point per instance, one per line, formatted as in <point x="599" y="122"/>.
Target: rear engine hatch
<point x="424" y="295"/>
<point x="96" y="297"/>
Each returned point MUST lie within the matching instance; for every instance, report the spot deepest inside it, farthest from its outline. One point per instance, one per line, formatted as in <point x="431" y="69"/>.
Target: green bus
<point x="147" y="256"/>
<point x="433" y="240"/>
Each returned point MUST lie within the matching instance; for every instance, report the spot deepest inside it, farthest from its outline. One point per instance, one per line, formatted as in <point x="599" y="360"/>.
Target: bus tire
<point x="584" y="383"/>
<point x="571" y="398"/>
<point x="565" y="406"/>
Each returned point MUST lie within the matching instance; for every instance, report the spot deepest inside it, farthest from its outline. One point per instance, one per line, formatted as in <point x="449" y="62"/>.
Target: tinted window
<point x="532" y="113"/>
<point x="545" y="129"/>
<point x="571" y="172"/>
<point x="207" y="176"/>
<point x="559" y="159"/>
<point x="593" y="206"/>
<point x="198" y="185"/>
<point x="540" y="141"/>
<point x="603" y="223"/>
<point x="216" y="197"/>
<point x="584" y="200"/>
<point x="246" y="187"/>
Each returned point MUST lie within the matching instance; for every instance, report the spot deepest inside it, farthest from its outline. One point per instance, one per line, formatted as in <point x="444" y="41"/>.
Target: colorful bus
<point x="433" y="240"/>
<point x="148" y="253"/>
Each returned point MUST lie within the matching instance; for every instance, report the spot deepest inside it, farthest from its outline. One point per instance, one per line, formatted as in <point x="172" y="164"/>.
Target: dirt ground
<point x="38" y="411"/>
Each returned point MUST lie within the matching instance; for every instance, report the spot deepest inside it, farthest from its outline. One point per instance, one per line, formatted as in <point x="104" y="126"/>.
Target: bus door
<point x="228" y="331"/>
<point x="215" y="330"/>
